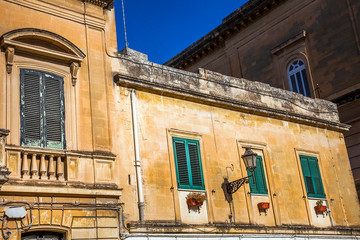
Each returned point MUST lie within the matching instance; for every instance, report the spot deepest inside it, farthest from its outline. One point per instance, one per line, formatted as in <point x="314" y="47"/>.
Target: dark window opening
<point x="42" y="236"/>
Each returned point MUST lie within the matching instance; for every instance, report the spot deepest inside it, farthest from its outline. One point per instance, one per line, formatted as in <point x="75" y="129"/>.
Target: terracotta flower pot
<point x="193" y="202"/>
<point x="320" y="209"/>
<point x="263" y="206"/>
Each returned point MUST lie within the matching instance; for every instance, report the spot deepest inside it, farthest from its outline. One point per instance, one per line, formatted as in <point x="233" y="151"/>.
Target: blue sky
<point x="162" y="29"/>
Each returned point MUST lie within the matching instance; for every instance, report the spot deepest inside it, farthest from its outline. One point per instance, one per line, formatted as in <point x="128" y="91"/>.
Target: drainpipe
<point x="137" y="158"/>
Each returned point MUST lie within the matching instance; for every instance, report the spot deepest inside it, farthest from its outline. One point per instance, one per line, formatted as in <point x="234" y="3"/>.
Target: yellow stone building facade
<point x="97" y="144"/>
<point x="53" y="53"/>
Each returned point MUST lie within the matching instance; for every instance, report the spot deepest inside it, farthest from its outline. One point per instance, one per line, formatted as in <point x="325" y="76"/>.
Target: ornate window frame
<point x="287" y="52"/>
<point x="40" y="50"/>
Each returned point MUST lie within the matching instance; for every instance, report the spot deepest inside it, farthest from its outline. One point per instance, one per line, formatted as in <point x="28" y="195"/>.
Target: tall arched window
<point x="298" y="78"/>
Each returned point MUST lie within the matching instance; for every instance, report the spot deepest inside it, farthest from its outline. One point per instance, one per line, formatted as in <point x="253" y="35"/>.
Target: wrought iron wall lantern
<point x="249" y="158"/>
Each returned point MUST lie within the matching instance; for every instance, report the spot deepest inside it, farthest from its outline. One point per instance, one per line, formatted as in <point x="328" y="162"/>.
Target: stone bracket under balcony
<point x="4" y="171"/>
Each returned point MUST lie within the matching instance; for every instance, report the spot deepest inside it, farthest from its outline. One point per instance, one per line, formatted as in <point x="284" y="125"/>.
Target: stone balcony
<point x="37" y="164"/>
<point x="53" y="171"/>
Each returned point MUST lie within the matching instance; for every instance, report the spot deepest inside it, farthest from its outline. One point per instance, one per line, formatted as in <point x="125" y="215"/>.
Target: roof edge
<point x="232" y="24"/>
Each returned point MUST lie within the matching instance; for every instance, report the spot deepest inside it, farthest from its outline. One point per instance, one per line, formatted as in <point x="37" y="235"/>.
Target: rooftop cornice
<point x="100" y="3"/>
<point x="214" y="89"/>
<point x="231" y="25"/>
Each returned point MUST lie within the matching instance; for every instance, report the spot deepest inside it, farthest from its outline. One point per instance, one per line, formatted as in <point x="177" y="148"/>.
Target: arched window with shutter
<point x="298" y="78"/>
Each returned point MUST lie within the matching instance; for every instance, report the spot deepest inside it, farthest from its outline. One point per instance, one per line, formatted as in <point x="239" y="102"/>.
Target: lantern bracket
<point x="233" y="186"/>
<point x="249" y="158"/>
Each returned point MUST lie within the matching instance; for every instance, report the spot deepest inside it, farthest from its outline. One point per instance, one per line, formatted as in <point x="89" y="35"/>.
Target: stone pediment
<point x="41" y="42"/>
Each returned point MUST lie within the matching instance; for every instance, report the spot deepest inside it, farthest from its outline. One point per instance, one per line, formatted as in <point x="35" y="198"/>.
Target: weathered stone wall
<point x="208" y="86"/>
<point x="227" y="114"/>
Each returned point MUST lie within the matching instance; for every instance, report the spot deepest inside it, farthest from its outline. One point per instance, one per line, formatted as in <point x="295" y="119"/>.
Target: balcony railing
<point x="41" y="165"/>
<point x="59" y="166"/>
<point x="32" y="163"/>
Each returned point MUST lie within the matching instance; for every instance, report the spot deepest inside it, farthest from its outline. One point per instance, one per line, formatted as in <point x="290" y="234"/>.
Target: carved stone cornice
<point x="101" y="3"/>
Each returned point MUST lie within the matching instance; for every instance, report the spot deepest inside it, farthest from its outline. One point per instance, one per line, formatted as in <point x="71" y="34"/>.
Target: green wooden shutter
<point x="307" y="175"/>
<point x="315" y="173"/>
<point x="188" y="164"/>
<point x="181" y="164"/>
<point x="54" y="111"/>
<point x="195" y="165"/>
<point x="30" y="108"/>
<point x="259" y="185"/>
<point x="252" y="183"/>
<point x="312" y="178"/>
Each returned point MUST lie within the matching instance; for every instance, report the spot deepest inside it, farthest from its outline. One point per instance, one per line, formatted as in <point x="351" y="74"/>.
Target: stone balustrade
<point x="35" y="164"/>
<point x="59" y="166"/>
<point x="42" y="165"/>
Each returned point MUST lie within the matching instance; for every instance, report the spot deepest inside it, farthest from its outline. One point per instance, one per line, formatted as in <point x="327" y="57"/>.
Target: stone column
<point x="4" y="171"/>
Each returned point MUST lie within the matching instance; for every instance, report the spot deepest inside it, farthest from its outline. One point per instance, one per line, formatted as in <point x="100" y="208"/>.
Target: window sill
<point x="259" y="194"/>
<point x="191" y="190"/>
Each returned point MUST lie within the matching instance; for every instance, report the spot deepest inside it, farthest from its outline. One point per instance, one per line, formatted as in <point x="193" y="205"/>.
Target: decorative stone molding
<point x="278" y="49"/>
<point x="4" y="171"/>
<point x="18" y="39"/>
<point x="101" y="3"/>
<point x="41" y="43"/>
<point x="74" y="69"/>
<point x="9" y="53"/>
